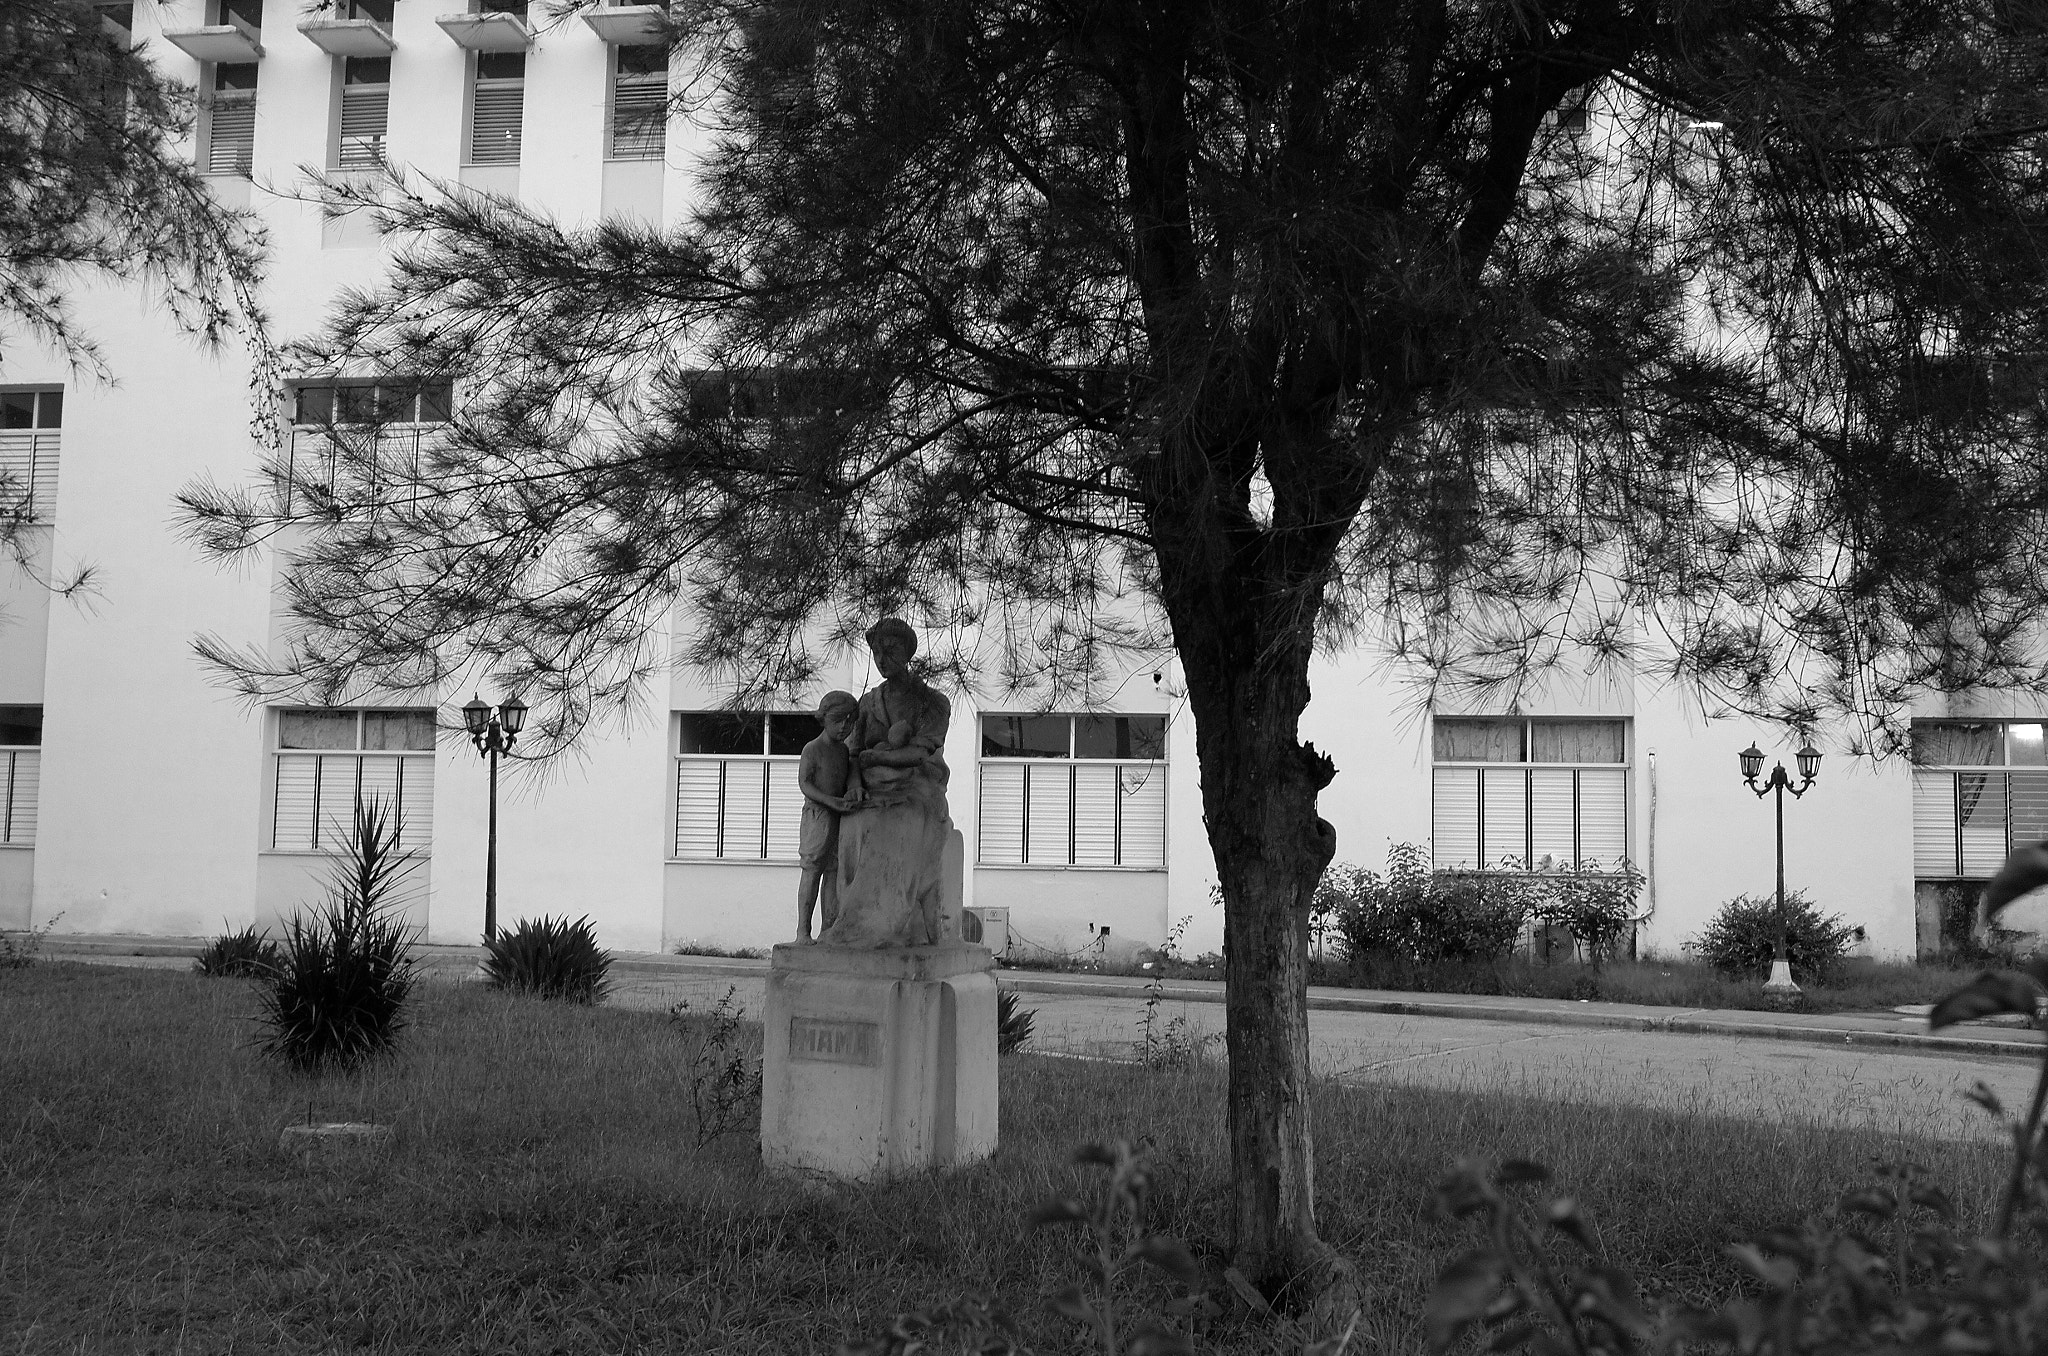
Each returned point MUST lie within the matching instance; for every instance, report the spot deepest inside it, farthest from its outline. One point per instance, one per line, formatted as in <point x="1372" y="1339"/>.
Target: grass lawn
<point x="543" y="1192"/>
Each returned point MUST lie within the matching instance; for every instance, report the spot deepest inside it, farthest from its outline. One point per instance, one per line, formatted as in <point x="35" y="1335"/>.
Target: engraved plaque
<point x="835" y="1042"/>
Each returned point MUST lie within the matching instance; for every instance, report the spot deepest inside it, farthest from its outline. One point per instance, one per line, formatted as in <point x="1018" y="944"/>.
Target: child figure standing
<point x="823" y="775"/>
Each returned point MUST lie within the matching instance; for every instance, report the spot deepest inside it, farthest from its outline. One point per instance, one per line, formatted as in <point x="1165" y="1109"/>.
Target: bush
<point x="247" y="954"/>
<point x="1742" y="939"/>
<point x="1013" y="1022"/>
<point x="549" y="958"/>
<point x="1420" y="915"/>
<point x="337" y="997"/>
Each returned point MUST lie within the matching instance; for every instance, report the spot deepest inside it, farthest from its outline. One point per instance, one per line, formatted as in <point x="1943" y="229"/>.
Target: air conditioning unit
<point x="994" y="926"/>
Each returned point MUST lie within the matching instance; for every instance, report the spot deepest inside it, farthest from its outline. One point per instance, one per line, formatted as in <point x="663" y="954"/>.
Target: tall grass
<point x="543" y="1192"/>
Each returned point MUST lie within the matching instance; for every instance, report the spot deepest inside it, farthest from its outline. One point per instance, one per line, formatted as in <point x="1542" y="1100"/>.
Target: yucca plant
<point x="549" y="958"/>
<point x="1013" y="1023"/>
<point x="247" y="954"/>
<point x="338" y="994"/>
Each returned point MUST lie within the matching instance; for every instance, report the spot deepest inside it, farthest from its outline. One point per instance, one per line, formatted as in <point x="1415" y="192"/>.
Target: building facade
<point x="137" y="795"/>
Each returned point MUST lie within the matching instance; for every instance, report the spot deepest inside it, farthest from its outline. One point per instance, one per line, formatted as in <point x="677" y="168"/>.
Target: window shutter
<point x="2028" y="806"/>
<point x="28" y="465"/>
<point x="785" y="811"/>
<point x="335" y="809"/>
<point x="1552" y="814"/>
<point x="291" y="822"/>
<point x="639" y="119"/>
<point x="416" y="795"/>
<point x="1455" y="818"/>
<point x="999" y="837"/>
<point x="379" y="784"/>
<point x="18" y="809"/>
<point x="1505" y="834"/>
<point x="746" y="804"/>
<point x="496" y="111"/>
<point x="1603" y="818"/>
<point x="1143" y="816"/>
<point x="1934" y="823"/>
<point x="231" y="135"/>
<point x="1980" y="796"/>
<point x="697" y="807"/>
<point x="1095" y="797"/>
<point x="365" y="114"/>
<point x="1048" y="840"/>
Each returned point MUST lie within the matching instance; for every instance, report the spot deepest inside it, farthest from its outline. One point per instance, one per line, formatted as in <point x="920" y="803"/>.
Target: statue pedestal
<point x="878" y="1062"/>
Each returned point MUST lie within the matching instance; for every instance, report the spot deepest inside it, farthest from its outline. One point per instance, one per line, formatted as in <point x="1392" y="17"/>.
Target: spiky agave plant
<point x="344" y="974"/>
<point x="549" y="958"/>
<point x="248" y="954"/>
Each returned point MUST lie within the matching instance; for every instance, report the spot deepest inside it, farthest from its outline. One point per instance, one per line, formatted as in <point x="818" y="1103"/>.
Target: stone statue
<point x="825" y="777"/>
<point x="892" y="838"/>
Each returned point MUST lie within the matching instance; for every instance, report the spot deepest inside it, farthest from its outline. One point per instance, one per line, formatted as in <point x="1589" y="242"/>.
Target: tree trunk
<point x="1247" y="682"/>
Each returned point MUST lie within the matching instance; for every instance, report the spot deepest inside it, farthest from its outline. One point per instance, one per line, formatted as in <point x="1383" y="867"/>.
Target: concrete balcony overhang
<point x="487" y="32"/>
<point x="629" y="25"/>
<point x="233" y="42"/>
<point x="350" y="37"/>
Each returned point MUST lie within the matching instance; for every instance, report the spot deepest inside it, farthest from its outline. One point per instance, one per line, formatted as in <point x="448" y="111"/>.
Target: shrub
<point x="1742" y="939"/>
<point x="247" y="954"/>
<point x="18" y="950"/>
<point x="337" y="997"/>
<point x="1596" y="907"/>
<point x="549" y="958"/>
<point x="1013" y="1022"/>
<point x="1421" y="915"/>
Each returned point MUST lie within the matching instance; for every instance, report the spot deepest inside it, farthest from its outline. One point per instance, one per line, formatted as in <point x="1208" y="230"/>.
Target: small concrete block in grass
<point x="314" y="1136"/>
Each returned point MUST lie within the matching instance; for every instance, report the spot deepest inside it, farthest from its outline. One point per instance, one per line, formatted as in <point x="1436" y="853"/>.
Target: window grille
<point x="1521" y="794"/>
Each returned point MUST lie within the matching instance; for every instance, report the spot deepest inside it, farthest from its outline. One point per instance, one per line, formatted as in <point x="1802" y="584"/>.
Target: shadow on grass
<point x="541" y="1192"/>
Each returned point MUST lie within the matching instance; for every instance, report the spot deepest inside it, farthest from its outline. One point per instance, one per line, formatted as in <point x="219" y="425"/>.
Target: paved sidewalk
<point x="649" y="979"/>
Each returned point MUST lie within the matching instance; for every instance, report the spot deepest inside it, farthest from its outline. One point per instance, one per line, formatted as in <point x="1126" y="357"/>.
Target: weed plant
<point x="337" y="995"/>
<point x="248" y="954"/>
<point x="722" y="1067"/>
<point x="728" y="953"/>
<point x="549" y="958"/>
<point x="545" y="1190"/>
<point x="19" y="950"/>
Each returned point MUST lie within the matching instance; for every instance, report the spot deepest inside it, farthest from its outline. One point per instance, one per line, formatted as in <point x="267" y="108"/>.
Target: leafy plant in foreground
<point x="338" y="994"/>
<point x="1742" y="937"/>
<point x="1013" y="1022"/>
<point x="1892" y="1273"/>
<point x="247" y="954"/>
<point x="724" y="1077"/>
<point x="549" y="958"/>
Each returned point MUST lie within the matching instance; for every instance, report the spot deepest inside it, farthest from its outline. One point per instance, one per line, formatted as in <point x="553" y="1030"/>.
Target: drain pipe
<point x="1649" y="846"/>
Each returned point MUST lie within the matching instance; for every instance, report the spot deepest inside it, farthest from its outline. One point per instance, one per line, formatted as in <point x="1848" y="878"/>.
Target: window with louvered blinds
<point x="20" y="771"/>
<point x="1060" y="790"/>
<point x="736" y="785"/>
<point x="231" y="134"/>
<point x="497" y="108"/>
<point x="1980" y="789"/>
<point x="30" y="439"/>
<point x="365" y="114"/>
<point x="329" y="762"/>
<point x="1512" y="793"/>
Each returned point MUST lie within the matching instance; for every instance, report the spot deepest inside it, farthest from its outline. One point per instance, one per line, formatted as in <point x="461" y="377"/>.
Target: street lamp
<point x="1808" y="759"/>
<point x="493" y="732"/>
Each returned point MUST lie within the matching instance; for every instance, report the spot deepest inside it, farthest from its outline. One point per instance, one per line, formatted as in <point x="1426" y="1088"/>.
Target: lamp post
<point x="1808" y="759"/>
<point x="493" y="732"/>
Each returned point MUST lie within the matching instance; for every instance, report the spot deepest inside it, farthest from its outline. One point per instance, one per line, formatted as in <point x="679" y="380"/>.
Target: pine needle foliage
<point x="339" y="993"/>
<point x="549" y="958"/>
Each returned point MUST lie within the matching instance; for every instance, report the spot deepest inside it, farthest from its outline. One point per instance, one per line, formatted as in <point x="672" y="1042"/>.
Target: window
<point x="29" y="440"/>
<point x="231" y="119"/>
<point x="496" y="107"/>
<point x="1521" y="794"/>
<point x="331" y="760"/>
<point x="117" y="17"/>
<point x="769" y="393"/>
<point x="21" y="757"/>
<point x="371" y="430"/>
<point x="639" y="115"/>
<point x="1072" y="790"/>
<point x="1980" y="789"/>
<point x="365" y="112"/>
<point x="736" y="793"/>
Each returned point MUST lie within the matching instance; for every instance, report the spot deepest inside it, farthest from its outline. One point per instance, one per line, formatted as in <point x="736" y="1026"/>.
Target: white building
<point x="136" y="796"/>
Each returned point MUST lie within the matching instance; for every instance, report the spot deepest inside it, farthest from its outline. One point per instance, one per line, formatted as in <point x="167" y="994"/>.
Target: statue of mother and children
<point x="875" y="822"/>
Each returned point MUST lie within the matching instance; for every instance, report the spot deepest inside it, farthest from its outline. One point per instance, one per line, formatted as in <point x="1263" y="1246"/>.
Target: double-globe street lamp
<point x="1808" y="759"/>
<point x="493" y="731"/>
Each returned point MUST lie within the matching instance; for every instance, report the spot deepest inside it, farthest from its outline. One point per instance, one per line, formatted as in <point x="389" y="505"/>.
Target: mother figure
<point x="892" y="842"/>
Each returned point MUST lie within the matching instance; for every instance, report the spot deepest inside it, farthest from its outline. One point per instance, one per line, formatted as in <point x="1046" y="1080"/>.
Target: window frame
<point x="338" y="153"/>
<point x="771" y="834"/>
<point x="1030" y="766"/>
<point x="415" y="838"/>
<point x="621" y="80"/>
<point x="479" y="84"/>
<point x="1487" y="862"/>
<point x="219" y="98"/>
<point x="33" y="454"/>
<point x="13" y="780"/>
<point x="2022" y="802"/>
